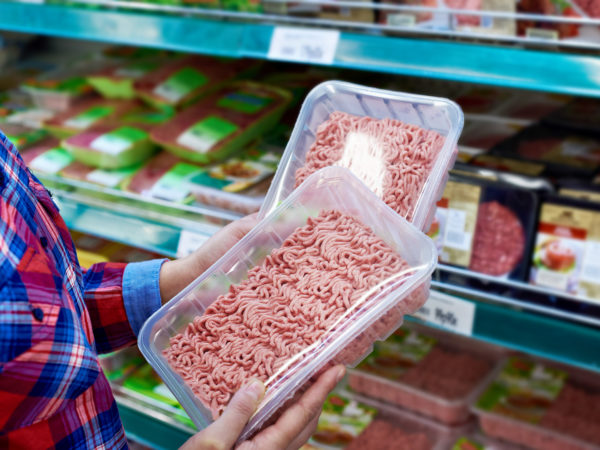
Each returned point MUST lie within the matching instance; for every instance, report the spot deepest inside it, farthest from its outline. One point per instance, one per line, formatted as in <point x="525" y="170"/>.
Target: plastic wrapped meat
<point x="499" y="242"/>
<point x="384" y="435"/>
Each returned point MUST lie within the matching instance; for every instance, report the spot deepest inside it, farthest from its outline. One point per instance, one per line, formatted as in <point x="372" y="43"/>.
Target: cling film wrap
<point x="286" y="350"/>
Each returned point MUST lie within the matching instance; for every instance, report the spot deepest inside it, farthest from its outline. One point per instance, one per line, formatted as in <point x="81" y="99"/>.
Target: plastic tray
<point x="440" y="436"/>
<point x="533" y="435"/>
<point x="219" y="125"/>
<point x="377" y="316"/>
<point x="445" y="410"/>
<point x="437" y="114"/>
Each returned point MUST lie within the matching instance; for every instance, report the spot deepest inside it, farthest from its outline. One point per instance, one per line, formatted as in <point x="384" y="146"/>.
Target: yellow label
<point x="511" y="165"/>
<point x="582" y="194"/>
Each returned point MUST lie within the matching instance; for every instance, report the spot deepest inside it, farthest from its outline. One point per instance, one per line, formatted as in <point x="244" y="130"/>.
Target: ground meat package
<point x="315" y="283"/>
<point x="567" y="245"/>
<point x="400" y="145"/>
<point x="185" y="79"/>
<point x="540" y="406"/>
<point x="432" y="373"/>
<point x="486" y="226"/>
<point x="221" y="124"/>
<point x="239" y="184"/>
<point x="563" y="152"/>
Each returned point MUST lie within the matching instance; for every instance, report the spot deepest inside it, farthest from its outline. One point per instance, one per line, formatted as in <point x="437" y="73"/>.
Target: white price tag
<point x="448" y="312"/>
<point x="304" y="45"/>
<point x="189" y="242"/>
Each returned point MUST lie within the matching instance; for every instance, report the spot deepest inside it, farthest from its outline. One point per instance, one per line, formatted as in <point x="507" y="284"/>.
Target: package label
<point x="591" y="196"/>
<point x="111" y="178"/>
<point x="52" y="161"/>
<point x="245" y="102"/>
<point x="401" y="20"/>
<point x="119" y="140"/>
<point x="204" y="135"/>
<point x="175" y="184"/>
<point x="542" y="33"/>
<point x="341" y="421"/>
<point x="589" y="285"/>
<point x="523" y="390"/>
<point x="149" y="117"/>
<point x="180" y="84"/>
<point x="89" y="117"/>
<point x="563" y="248"/>
<point x="457" y="217"/>
<point x="465" y="443"/>
<point x="73" y="85"/>
<point x="398" y="353"/>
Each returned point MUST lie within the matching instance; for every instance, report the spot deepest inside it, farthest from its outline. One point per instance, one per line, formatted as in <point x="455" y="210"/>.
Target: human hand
<point x="177" y="274"/>
<point x="290" y="432"/>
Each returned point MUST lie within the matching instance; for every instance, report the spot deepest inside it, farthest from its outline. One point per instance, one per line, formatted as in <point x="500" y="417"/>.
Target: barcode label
<point x="456" y="237"/>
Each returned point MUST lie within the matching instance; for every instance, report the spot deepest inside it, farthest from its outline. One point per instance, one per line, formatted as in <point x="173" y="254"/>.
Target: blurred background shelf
<point x="223" y="35"/>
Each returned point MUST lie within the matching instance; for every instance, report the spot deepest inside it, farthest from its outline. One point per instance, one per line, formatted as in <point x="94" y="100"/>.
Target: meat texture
<point x="285" y="308"/>
<point x="499" y="241"/>
<point x="383" y="435"/>
<point x="441" y="378"/>
<point x="391" y="157"/>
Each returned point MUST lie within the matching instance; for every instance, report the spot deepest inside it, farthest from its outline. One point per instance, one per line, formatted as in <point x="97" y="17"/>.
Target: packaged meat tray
<point x="565" y="256"/>
<point x="109" y="178"/>
<point x="185" y="79"/>
<point x="57" y="91"/>
<point x="542" y="407"/>
<point x="47" y="157"/>
<point x="223" y="123"/>
<point x="21" y="136"/>
<point x="86" y="115"/>
<point x="486" y="226"/>
<point x="368" y="131"/>
<point x="434" y="374"/>
<point x="395" y="428"/>
<point x="563" y="152"/>
<point x="333" y="205"/>
<point x="238" y="184"/>
<point x="111" y="146"/>
<point x="116" y="81"/>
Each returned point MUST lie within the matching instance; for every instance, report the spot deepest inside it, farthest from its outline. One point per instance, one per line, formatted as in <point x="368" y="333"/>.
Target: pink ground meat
<point x="393" y="158"/>
<point x="574" y="414"/>
<point x="445" y="374"/>
<point x="384" y="435"/>
<point x="499" y="241"/>
<point x="289" y="303"/>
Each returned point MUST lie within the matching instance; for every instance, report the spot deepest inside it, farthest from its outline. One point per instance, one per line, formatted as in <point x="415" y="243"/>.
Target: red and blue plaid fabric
<point x="54" y="320"/>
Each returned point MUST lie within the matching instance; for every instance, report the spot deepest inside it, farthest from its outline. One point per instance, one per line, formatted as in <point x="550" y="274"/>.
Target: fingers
<point x="298" y="416"/>
<point x="224" y="432"/>
<point x="305" y="434"/>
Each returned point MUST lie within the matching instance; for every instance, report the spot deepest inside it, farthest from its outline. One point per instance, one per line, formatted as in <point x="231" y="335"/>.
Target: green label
<point x="467" y="444"/>
<point x="401" y="351"/>
<point x="180" y="84"/>
<point x="136" y="69"/>
<point x="52" y="161"/>
<point x="342" y="420"/>
<point x="244" y="102"/>
<point x="119" y="140"/>
<point x="21" y="139"/>
<point x="175" y="184"/>
<point x="523" y="390"/>
<point x="204" y="135"/>
<point x="90" y="116"/>
<point x="149" y="117"/>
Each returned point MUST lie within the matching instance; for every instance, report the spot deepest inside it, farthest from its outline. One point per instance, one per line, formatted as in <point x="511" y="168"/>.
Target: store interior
<point x="107" y="103"/>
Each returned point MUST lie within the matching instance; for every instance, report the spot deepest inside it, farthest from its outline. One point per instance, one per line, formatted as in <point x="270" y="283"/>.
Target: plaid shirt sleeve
<point x="119" y="299"/>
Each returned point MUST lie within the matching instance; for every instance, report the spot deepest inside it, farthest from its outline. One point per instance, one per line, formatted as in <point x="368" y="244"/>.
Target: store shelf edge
<point x="567" y="73"/>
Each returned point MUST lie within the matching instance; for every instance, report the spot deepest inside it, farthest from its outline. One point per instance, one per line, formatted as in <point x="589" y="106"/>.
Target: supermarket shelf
<point x="550" y="71"/>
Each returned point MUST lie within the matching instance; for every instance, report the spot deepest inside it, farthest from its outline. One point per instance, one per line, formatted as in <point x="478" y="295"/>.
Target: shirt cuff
<point x="141" y="291"/>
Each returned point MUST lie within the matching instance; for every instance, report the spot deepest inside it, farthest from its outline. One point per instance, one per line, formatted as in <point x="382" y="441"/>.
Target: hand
<point x="176" y="275"/>
<point x="290" y="432"/>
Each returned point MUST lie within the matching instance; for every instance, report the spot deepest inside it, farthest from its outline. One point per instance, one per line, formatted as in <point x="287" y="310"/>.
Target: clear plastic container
<point x="450" y="411"/>
<point x="429" y="113"/>
<point x="542" y="436"/>
<point x="372" y="316"/>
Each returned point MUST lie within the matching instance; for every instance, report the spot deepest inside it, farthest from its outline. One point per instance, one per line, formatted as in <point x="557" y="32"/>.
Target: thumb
<point x="224" y="432"/>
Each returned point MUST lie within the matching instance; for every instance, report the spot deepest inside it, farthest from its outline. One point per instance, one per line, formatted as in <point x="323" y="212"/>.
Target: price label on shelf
<point x="189" y="241"/>
<point x="448" y="312"/>
<point x="304" y="45"/>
